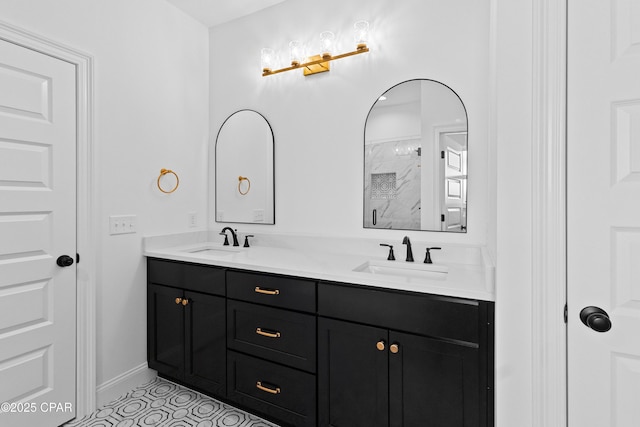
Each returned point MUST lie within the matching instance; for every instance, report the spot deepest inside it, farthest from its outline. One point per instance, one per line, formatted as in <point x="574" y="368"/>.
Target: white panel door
<point x="604" y="212"/>
<point x="453" y="180"/>
<point x="37" y="225"/>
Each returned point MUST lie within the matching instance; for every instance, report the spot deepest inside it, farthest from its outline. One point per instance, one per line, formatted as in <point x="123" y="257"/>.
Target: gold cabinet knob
<point x="394" y="348"/>
<point x="380" y="345"/>
<point x="178" y="300"/>
<point x="185" y="302"/>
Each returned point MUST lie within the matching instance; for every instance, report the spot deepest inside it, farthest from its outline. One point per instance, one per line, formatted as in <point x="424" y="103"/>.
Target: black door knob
<point x="595" y="318"/>
<point x="64" y="261"/>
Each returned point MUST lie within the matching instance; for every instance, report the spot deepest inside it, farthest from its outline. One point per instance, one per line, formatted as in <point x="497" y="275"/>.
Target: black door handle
<point x="595" y="318"/>
<point x="64" y="261"/>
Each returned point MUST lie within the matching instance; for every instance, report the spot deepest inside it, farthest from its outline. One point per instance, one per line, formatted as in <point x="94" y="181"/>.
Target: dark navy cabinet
<point x="186" y="329"/>
<point x="305" y="353"/>
<point x="271" y="340"/>
<point x="398" y="359"/>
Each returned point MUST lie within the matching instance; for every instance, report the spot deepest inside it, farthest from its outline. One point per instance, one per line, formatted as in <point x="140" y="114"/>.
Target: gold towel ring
<point x="240" y="179"/>
<point x="163" y="172"/>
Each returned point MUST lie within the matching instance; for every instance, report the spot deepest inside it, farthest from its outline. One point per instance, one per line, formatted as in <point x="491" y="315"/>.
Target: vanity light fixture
<point x="316" y="63"/>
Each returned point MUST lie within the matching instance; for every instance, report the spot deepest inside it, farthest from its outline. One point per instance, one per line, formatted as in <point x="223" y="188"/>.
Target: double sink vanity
<point x="319" y="331"/>
<point x="332" y="331"/>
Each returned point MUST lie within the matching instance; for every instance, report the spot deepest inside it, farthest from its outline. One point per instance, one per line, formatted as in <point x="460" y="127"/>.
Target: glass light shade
<point x="361" y="34"/>
<point x="296" y="52"/>
<point x="267" y="59"/>
<point x="327" y="42"/>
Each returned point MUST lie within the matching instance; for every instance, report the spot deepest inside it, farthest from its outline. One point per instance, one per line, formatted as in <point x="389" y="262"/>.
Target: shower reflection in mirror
<point x="415" y="159"/>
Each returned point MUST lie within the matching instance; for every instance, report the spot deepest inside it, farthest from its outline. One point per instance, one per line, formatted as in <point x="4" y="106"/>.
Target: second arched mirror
<point x="415" y="159"/>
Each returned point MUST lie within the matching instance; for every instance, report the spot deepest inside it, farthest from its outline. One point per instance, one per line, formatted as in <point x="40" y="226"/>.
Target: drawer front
<point x="278" y="335"/>
<point x="424" y="314"/>
<point x="203" y="278"/>
<point x="276" y="291"/>
<point x="194" y="277"/>
<point x="160" y="272"/>
<point x="283" y="393"/>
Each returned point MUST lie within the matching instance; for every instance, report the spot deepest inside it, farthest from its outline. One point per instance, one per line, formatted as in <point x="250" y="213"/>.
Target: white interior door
<point x="604" y="212"/>
<point x="37" y="225"/>
<point x="453" y="180"/>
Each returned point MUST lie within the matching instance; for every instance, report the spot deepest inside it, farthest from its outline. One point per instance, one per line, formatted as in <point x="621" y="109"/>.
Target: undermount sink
<point x="407" y="270"/>
<point x="213" y="250"/>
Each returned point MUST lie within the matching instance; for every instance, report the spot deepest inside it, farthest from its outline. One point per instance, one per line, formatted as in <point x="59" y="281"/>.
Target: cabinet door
<point x="433" y="382"/>
<point x="205" y="342"/>
<point x="165" y="330"/>
<point x="352" y="375"/>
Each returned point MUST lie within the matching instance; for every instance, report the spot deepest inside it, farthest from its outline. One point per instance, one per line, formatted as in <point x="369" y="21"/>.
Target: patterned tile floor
<point x="162" y="403"/>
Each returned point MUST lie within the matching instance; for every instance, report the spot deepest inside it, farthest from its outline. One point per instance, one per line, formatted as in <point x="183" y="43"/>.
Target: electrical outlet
<point x="122" y="224"/>
<point x="193" y="219"/>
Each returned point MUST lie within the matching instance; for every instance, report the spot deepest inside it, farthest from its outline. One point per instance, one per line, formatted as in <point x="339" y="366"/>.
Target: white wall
<point x="482" y="50"/>
<point x="151" y="102"/>
<point x="318" y="121"/>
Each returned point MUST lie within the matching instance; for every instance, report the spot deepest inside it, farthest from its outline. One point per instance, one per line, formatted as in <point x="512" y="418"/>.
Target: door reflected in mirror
<point x="244" y="170"/>
<point x="415" y="159"/>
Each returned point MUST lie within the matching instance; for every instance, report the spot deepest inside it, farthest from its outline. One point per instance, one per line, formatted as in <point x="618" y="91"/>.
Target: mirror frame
<point x="364" y="158"/>
<point x="273" y="171"/>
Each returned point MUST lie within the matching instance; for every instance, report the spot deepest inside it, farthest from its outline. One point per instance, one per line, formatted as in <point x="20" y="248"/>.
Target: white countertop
<point x="469" y="272"/>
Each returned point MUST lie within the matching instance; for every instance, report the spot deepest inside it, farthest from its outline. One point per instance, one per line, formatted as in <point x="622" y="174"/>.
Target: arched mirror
<point x="415" y="159"/>
<point x="245" y="170"/>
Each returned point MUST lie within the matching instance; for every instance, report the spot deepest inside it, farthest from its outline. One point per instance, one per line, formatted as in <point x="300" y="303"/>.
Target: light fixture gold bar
<point x="319" y="60"/>
<point x="321" y="67"/>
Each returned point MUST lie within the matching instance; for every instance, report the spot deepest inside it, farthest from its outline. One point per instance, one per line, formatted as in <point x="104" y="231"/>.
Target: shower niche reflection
<point x="415" y="159"/>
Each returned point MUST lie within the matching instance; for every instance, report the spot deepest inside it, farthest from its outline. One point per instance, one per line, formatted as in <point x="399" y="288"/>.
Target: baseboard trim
<point x="123" y="383"/>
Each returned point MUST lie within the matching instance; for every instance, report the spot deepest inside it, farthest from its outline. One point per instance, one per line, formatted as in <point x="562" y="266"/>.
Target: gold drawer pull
<point x="259" y="331"/>
<point x="267" y="389"/>
<point x="178" y="300"/>
<point x="394" y="348"/>
<point x="380" y="345"/>
<point x="185" y="302"/>
<point x="267" y="291"/>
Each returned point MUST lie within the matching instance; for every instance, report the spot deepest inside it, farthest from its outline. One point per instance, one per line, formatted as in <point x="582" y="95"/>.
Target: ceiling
<point x="214" y="12"/>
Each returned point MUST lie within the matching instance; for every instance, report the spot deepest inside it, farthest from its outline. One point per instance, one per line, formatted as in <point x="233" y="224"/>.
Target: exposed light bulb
<point x="267" y="59"/>
<point x="327" y="41"/>
<point x="296" y="52"/>
<point x="361" y="34"/>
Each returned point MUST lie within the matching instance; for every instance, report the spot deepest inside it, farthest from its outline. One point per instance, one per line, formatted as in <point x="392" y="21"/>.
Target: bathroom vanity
<point x="334" y="346"/>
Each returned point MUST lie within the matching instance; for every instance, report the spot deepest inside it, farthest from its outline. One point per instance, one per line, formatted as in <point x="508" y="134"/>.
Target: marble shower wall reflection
<point x="392" y="183"/>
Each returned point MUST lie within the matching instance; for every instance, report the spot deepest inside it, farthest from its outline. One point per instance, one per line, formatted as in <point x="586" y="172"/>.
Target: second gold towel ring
<point x="240" y="179"/>
<point x="163" y="172"/>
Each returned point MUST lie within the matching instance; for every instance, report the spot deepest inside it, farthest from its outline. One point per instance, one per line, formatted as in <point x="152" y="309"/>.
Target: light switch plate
<point x="122" y="224"/>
